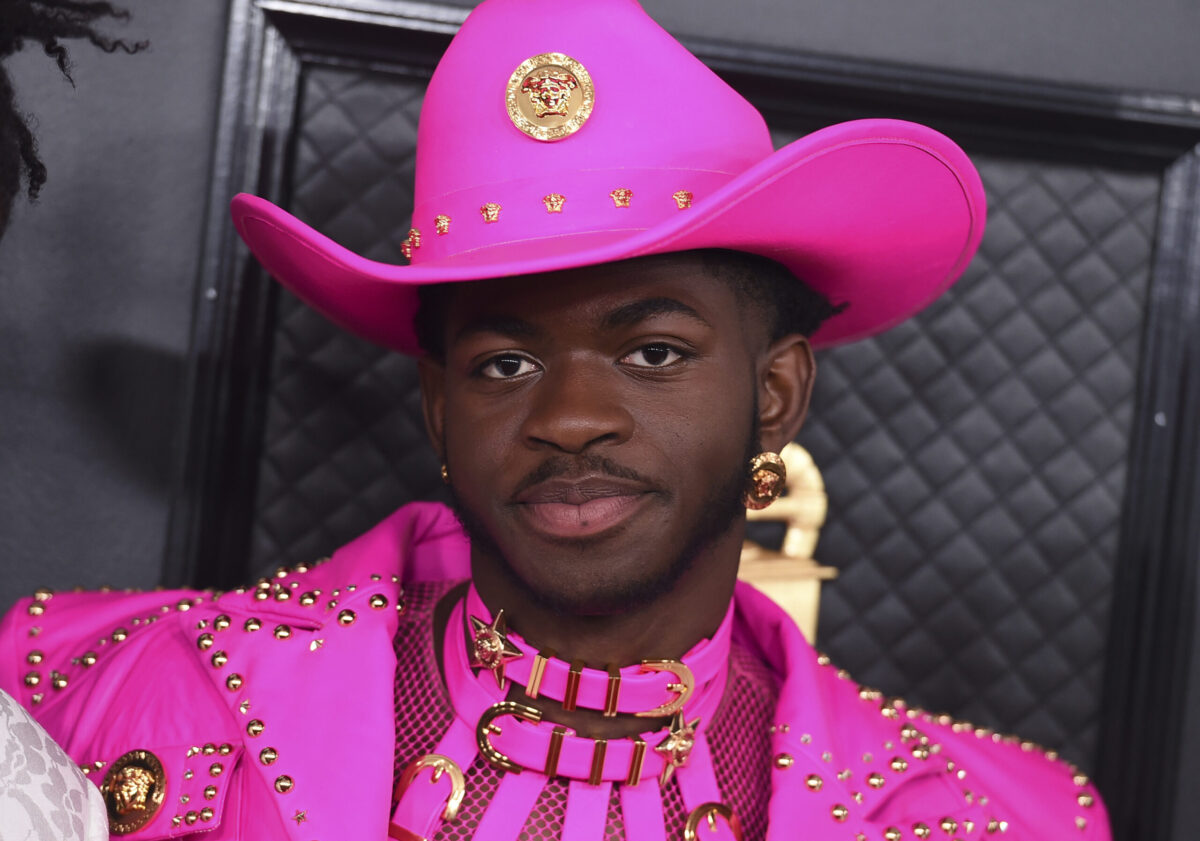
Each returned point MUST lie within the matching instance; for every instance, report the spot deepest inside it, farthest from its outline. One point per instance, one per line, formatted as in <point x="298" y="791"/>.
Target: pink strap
<point x="587" y="812"/>
<point x="698" y="785"/>
<point x="529" y="743"/>
<point x="422" y="805"/>
<point x="697" y="782"/>
<point x="640" y="689"/>
<point x="641" y="813"/>
<point x="510" y="807"/>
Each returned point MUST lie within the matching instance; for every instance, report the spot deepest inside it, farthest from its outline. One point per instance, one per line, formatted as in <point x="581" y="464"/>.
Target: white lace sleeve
<point x="43" y="794"/>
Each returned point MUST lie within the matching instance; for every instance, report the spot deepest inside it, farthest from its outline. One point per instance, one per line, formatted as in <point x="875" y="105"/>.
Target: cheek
<point x="700" y="433"/>
<point x="480" y="433"/>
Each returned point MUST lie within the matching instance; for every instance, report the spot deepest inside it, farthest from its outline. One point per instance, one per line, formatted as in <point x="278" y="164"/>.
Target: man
<point x="614" y="346"/>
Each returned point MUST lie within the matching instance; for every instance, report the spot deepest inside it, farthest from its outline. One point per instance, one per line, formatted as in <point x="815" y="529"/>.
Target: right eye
<point x="506" y="366"/>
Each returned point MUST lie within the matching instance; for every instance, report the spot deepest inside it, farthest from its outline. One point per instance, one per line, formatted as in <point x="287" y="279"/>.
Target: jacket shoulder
<point x="222" y="699"/>
<point x="235" y="704"/>
<point x="894" y="770"/>
<point x="1002" y="784"/>
<point x="1052" y="797"/>
<point x="50" y="639"/>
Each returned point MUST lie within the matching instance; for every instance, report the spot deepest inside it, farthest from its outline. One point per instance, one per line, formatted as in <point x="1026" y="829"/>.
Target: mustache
<point x="582" y="465"/>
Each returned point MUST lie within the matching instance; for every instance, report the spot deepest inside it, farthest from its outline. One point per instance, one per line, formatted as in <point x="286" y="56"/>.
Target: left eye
<point x="507" y="366"/>
<point x="653" y="356"/>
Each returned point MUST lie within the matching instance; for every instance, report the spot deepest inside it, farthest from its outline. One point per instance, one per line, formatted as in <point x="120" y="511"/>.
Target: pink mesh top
<point x="738" y="736"/>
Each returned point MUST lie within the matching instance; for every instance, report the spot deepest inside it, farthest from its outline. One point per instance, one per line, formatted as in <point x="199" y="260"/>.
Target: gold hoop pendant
<point x="709" y="812"/>
<point x="485" y="728"/>
<point x="440" y="765"/>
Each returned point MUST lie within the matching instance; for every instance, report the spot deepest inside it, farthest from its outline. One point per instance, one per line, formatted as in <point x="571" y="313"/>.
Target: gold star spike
<point x="677" y="745"/>
<point x="491" y="648"/>
<point x="300" y="817"/>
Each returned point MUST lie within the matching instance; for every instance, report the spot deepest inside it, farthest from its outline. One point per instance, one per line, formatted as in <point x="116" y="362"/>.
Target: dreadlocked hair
<point x="46" y="23"/>
<point x="788" y="305"/>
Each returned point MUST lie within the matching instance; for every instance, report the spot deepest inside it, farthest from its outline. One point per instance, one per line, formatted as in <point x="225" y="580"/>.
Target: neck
<point x="665" y="628"/>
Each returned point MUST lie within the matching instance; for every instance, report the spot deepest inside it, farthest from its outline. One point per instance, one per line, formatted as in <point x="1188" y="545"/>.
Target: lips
<point x="582" y="507"/>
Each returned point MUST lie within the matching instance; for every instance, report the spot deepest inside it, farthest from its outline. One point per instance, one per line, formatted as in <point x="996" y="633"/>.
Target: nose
<point x="576" y="406"/>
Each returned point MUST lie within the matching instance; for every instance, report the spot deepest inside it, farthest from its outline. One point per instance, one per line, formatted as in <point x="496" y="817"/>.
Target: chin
<point x="602" y="576"/>
<point x="610" y="591"/>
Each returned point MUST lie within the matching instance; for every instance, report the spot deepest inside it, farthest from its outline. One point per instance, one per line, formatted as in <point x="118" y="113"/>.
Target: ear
<point x="432" y="375"/>
<point x="786" y="371"/>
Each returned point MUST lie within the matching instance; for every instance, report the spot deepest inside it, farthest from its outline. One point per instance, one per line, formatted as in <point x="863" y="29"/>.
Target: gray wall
<point x="97" y="278"/>
<point x="1137" y="44"/>
<point x="1144" y="44"/>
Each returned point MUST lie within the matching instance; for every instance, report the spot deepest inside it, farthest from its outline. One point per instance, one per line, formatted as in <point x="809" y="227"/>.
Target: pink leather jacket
<point x="270" y="710"/>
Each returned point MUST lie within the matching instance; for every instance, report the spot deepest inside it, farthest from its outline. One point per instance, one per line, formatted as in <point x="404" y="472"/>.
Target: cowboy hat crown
<point x="657" y="121"/>
<point x="557" y="135"/>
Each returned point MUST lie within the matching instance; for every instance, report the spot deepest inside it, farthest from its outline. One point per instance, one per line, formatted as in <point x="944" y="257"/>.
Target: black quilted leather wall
<point x="975" y="463"/>
<point x="974" y="456"/>
<point x="344" y="443"/>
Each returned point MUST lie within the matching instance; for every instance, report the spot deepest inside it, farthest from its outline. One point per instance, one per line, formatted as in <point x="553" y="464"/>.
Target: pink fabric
<point x="420" y="809"/>
<point x="640" y="690"/>
<point x="513" y="802"/>
<point x="422" y="805"/>
<point x="324" y="691"/>
<point x="528" y="742"/>
<point x="641" y="807"/>
<point x="587" y="811"/>
<point x="699" y="787"/>
<point x="882" y="214"/>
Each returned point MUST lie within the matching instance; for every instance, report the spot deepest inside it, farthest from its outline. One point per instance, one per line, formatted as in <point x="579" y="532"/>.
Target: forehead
<point x="592" y="295"/>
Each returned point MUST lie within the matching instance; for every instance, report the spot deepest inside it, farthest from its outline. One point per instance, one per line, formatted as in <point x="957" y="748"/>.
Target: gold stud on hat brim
<point x="746" y="211"/>
<point x="550" y="96"/>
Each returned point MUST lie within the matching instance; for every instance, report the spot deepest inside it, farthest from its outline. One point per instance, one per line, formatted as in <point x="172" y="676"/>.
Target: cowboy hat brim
<point x="880" y="215"/>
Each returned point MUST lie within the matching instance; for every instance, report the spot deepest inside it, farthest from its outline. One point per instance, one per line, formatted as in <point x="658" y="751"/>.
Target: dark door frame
<point x="1154" y="606"/>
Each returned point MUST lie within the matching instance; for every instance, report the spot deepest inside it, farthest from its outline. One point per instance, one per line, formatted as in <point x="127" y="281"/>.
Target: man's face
<point x="596" y="424"/>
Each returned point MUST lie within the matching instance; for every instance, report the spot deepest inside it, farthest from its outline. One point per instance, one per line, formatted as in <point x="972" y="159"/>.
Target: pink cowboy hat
<point x="556" y="135"/>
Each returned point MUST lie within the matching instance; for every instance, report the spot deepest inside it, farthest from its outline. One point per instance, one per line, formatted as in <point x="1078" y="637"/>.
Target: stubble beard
<point x="720" y="511"/>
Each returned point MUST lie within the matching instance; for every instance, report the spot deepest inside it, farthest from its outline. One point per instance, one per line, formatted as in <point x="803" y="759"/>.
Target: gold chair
<point x="790" y="576"/>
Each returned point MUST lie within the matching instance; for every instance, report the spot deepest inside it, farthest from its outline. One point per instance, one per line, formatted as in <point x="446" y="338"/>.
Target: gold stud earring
<point x="766" y="482"/>
<point x="445" y="474"/>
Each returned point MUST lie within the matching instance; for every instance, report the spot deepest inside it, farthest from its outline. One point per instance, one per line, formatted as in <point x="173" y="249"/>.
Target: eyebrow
<point x="636" y="312"/>
<point x="504" y="325"/>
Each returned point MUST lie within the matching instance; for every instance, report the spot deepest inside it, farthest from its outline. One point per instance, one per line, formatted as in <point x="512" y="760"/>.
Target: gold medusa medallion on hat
<point x="550" y="96"/>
